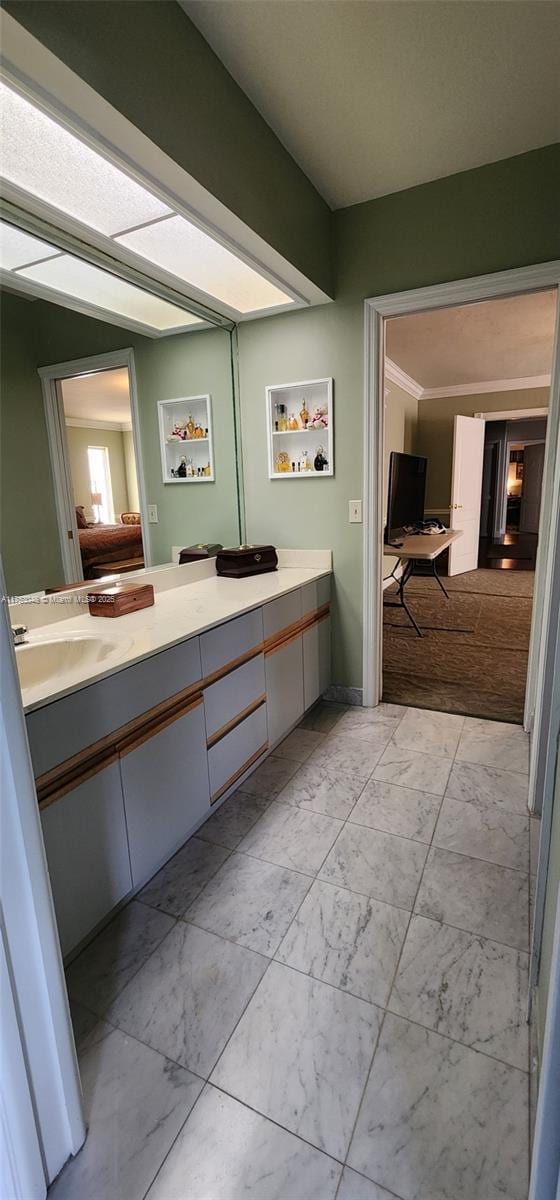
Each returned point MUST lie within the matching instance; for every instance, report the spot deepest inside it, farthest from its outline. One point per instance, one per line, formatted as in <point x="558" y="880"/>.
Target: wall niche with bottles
<point x="185" y="428"/>
<point x="300" y="429"/>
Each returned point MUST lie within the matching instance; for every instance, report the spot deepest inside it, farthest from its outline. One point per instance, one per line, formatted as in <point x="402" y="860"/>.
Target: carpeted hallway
<point x="473" y="656"/>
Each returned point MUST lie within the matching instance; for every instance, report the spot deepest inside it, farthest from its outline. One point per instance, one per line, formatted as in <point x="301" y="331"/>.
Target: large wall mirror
<point x="97" y="475"/>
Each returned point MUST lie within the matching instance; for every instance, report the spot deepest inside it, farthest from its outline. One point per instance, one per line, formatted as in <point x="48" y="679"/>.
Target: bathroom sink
<point x="50" y="658"/>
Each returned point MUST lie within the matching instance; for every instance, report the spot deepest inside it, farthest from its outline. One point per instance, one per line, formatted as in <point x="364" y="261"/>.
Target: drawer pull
<point x="227" y="728"/>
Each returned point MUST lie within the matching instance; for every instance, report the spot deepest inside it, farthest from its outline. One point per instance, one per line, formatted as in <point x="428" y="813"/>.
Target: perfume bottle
<point x="281" y="419"/>
<point x="304" y="414"/>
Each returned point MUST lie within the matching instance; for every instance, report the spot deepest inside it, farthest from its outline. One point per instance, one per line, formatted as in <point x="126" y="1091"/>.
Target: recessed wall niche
<point x="300" y="429"/>
<point x="185" y="427"/>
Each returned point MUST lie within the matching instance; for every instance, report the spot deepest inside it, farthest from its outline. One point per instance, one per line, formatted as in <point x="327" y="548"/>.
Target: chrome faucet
<point x="19" y="632"/>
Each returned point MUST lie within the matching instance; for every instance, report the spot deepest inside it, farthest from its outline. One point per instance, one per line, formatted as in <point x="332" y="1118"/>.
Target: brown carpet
<point x="473" y="657"/>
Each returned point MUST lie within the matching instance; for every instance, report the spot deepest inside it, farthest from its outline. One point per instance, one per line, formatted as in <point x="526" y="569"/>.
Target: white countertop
<point x="178" y="613"/>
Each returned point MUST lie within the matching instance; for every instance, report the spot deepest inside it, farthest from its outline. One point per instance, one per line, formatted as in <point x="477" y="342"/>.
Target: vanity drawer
<point x="233" y="693"/>
<point x="235" y="752"/>
<point x="68" y="726"/>
<point x="281" y="613"/>
<point x="230" y="642"/>
<point x="315" y="594"/>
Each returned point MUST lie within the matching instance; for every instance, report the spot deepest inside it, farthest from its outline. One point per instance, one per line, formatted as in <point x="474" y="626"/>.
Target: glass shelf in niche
<point x="185" y="426"/>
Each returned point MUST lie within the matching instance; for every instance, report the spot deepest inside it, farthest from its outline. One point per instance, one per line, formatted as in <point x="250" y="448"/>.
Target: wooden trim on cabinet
<point x="107" y="743"/>
<point x="283" y="636"/>
<point x="59" y="780"/>
<point x="74" y="779"/>
<point x="232" y="666"/>
<point x="315" y="617"/>
<point x="229" y="782"/>
<point x="292" y="637"/>
<point x="235" y="721"/>
<point x="154" y="727"/>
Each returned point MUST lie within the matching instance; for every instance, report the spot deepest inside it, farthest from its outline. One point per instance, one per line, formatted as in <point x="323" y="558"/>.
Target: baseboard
<point x="344" y="695"/>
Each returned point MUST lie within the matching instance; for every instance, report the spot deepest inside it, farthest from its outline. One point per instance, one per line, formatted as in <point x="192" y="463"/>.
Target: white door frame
<point x="58" y="449"/>
<point x="376" y="311"/>
<point x="542" y="705"/>
<point x="41" y="1117"/>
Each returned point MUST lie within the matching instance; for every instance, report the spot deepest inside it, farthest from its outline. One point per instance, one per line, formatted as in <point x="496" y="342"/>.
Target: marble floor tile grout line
<point x="385" y="1010"/>
<point x="456" y="1041"/>
<point x="140" y="965"/>
<point x="102" y="1020"/>
<point x="431" y="843"/>
<point x="390" y="1195"/>
<point x="314" y="877"/>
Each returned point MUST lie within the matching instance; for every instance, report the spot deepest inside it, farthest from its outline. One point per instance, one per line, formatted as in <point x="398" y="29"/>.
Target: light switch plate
<point x="152" y="514"/>
<point x="355" y="512"/>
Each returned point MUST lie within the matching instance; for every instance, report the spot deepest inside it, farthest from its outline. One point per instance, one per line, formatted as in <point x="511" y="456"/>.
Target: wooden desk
<point x="413" y="548"/>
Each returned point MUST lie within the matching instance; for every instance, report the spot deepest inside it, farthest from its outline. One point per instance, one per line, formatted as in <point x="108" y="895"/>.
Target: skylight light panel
<point x="81" y="280"/>
<point x="197" y="259"/>
<point x="43" y="158"/>
<point x="18" y="248"/>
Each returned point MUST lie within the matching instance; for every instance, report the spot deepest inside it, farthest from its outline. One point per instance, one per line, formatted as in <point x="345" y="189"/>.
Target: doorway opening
<point x="102" y="466"/>
<point x="92" y="425"/>
<point x="459" y="568"/>
<point x="513" y="469"/>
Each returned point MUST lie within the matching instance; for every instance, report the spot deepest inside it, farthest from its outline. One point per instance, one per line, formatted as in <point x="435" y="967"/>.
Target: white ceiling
<point x="494" y="340"/>
<point x="373" y="96"/>
<point x="101" y="396"/>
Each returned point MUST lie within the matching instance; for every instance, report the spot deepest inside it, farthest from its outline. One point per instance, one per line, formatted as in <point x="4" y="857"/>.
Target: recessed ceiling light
<point x="82" y="281"/>
<point x="18" y="248"/>
<point x="191" y="255"/>
<point x="43" y="158"/>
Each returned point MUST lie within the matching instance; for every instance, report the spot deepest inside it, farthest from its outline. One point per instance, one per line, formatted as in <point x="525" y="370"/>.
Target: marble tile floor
<point x="322" y="995"/>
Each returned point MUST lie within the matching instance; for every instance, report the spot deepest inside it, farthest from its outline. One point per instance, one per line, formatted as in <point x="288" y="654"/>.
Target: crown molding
<point x="396" y="375"/>
<point x="487" y="386"/>
<point x="90" y="423"/>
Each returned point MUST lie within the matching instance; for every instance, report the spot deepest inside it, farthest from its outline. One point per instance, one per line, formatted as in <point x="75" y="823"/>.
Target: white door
<point x="533" y="467"/>
<point x="466" y="490"/>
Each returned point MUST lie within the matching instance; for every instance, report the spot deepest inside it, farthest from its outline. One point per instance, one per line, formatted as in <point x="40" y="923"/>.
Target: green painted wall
<point x="172" y="367"/>
<point x="28" y="530"/>
<point x="150" y="62"/>
<point x="309" y="513"/>
<point x="491" y="219"/>
<point x="37" y="334"/>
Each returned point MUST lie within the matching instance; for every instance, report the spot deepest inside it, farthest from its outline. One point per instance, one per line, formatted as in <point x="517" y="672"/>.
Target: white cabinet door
<point x="316" y="660"/>
<point x="87" y="854"/>
<point x="284" y="688"/>
<point x="166" y="790"/>
<point x="466" y="492"/>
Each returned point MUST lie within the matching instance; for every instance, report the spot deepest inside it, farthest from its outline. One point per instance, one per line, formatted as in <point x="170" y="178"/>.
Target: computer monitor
<point x="407" y="491"/>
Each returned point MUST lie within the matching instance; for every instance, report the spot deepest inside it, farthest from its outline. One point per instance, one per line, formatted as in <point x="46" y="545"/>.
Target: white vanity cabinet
<point x="316" y="640"/>
<point x="165" y="784"/>
<point x="316" y="660"/>
<point x="283" y="664"/>
<point x="128" y="767"/>
<point x="87" y="853"/>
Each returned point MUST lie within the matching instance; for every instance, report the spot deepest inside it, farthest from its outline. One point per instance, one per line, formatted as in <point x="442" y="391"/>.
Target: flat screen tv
<point x="407" y="492"/>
